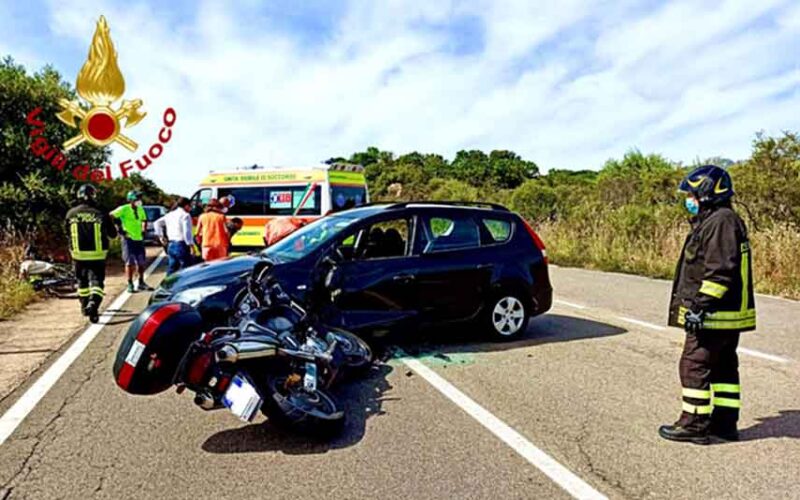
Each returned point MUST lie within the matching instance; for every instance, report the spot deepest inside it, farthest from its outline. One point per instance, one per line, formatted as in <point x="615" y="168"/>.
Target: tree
<point x="639" y="179"/>
<point x="768" y="184"/>
<point x="21" y="93"/>
<point x="34" y="196"/>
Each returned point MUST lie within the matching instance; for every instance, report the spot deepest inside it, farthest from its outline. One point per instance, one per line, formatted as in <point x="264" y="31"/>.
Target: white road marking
<point x="28" y="401"/>
<point x="562" y="476"/>
<point x="570" y="304"/>
<point x="642" y="323"/>
<point x="762" y="355"/>
<point x="741" y="350"/>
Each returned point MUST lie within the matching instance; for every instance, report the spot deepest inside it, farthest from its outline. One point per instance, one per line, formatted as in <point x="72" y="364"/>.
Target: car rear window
<point x="499" y="230"/>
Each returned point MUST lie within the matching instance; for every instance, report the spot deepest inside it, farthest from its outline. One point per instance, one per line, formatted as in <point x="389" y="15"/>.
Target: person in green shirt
<point x="130" y="220"/>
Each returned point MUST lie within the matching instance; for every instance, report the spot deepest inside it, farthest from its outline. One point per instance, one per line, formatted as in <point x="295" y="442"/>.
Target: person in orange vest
<point x="212" y="233"/>
<point x="281" y="227"/>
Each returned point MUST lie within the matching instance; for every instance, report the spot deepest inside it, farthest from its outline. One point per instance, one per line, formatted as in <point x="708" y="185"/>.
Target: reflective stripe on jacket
<point x="714" y="273"/>
<point x="88" y="231"/>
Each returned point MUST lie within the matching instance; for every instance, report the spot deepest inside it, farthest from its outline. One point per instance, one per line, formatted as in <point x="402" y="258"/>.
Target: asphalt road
<point x="587" y="387"/>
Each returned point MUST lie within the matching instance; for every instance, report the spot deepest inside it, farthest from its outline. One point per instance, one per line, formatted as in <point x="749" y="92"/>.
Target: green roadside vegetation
<point x="627" y="216"/>
<point x="35" y="196"/>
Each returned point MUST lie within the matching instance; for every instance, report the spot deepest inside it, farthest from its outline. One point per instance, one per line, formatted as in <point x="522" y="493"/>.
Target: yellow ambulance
<point x="262" y="193"/>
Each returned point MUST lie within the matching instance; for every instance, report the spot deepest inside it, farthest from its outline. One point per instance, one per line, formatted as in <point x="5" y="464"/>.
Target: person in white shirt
<point x="176" y="227"/>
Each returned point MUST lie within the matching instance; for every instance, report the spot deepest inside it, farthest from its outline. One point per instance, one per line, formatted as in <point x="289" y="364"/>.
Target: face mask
<point x="692" y="206"/>
<point x="224" y="210"/>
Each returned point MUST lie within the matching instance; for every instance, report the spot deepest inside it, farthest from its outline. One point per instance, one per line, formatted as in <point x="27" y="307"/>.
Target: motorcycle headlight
<point x="193" y="296"/>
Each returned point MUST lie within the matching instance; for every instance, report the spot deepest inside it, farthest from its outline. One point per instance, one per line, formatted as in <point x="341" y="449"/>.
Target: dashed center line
<point x="642" y="323"/>
<point x="741" y="350"/>
<point x="570" y="304"/>
<point x="762" y="355"/>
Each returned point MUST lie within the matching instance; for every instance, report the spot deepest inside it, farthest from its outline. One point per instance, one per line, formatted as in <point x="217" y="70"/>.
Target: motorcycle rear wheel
<point x="314" y="413"/>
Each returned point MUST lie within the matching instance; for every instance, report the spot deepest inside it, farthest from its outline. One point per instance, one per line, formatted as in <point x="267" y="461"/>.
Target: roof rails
<point x="494" y="206"/>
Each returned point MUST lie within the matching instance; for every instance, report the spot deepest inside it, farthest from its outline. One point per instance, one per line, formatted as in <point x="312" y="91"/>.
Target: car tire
<point x="506" y="316"/>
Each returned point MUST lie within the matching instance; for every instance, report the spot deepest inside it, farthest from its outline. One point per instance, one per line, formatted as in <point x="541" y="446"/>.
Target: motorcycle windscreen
<point x="154" y="346"/>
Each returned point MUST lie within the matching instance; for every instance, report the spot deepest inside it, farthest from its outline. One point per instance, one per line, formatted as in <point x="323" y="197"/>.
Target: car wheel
<point x="506" y="317"/>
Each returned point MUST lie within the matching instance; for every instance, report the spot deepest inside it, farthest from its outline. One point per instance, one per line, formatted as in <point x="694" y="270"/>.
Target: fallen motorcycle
<point x="276" y="360"/>
<point x="57" y="280"/>
<point x="267" y="304"/>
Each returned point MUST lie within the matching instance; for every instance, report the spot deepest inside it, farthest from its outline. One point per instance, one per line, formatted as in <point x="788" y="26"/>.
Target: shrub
<point x="15" y="294"/>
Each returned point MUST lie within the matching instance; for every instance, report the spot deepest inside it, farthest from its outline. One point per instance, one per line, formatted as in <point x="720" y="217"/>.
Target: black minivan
<point x="402" y="265"/>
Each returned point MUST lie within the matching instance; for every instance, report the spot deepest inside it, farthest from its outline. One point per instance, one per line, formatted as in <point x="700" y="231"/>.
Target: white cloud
<point x="565" y="84"/>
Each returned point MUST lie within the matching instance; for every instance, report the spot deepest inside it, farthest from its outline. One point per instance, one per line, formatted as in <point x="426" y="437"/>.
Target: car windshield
<point x="308" y="238"/>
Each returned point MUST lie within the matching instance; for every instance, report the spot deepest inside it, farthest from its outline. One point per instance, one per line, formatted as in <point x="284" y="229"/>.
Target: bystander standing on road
<point x="131" y="219"/>
<point x="212" y="233"/>
<point x="176" y="228"/>
<point x="88" y="231"/>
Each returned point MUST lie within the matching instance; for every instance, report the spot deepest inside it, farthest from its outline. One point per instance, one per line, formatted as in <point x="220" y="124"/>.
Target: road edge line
<point x="17" y="413"/>
<point x="563" y="477"/>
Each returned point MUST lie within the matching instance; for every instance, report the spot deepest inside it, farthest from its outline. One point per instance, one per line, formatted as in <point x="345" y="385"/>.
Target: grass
<point x="15" y="294"/>
<point x="654" y="252"/>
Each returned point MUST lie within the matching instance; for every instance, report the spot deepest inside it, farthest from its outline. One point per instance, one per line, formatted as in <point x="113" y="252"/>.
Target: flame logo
<point x="100" y="81"/>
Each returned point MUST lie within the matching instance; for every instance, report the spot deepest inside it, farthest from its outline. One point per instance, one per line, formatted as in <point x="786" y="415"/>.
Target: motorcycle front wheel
<point x="310" y="412"/>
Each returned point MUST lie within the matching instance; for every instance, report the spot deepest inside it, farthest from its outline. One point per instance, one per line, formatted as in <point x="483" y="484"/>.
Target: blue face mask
<point x="692" y="206"/>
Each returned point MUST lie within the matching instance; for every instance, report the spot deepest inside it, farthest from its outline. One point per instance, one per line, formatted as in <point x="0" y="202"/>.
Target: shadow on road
<point x="362" y="399"/>
<point x="786" y="424"/>
<point x="545" y="329"/>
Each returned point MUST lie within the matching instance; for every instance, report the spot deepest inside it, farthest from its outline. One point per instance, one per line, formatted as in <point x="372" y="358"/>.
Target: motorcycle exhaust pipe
<point x="246" y="349"/>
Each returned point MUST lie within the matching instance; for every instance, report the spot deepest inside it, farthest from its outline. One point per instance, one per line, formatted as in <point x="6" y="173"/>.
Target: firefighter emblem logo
<point x="101" y="84"/>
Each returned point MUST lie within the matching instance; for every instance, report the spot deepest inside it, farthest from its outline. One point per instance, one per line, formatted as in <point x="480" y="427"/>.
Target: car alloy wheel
<point x="508" y="316"/>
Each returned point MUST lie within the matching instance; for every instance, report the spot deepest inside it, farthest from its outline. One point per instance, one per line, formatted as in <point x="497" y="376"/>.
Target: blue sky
<point x="567" y="84"/>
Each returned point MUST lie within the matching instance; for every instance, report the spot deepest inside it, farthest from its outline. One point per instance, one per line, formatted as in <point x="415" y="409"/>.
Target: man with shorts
<point x="130" y="220"/>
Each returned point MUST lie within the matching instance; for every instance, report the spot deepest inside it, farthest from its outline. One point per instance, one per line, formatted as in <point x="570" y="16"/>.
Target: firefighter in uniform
<point x="712" y="300"/>
<point x="88" y="231"/>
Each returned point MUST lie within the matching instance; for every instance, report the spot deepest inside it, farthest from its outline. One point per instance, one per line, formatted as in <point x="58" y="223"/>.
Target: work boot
<point x="723" y="430"/>
<point x="91" y="311"/>
<point x="677" y="432"/>
<point x="144" y="287"/>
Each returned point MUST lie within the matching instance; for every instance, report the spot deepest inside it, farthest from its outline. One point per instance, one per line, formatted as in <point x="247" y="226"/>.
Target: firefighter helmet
<point x="87" y="192"/>
<point x="710" y="184"/>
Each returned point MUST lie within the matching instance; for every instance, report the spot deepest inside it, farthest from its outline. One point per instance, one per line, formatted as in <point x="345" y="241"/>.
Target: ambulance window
<point x="286" y="200"/>
<point x="249" y="200"/>
<point x="344" y="197"/>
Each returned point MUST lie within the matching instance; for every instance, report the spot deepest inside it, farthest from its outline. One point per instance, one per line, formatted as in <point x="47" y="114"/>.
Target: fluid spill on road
<point x="431" y="357"/>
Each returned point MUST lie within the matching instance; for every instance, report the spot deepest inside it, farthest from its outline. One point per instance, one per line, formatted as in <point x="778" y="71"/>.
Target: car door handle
<point x="485" y="266"/>
<point x="403" y="277"/>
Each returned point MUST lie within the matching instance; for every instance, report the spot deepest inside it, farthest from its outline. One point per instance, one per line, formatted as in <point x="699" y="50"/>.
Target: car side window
<point x="450" y="233"/>
<point x="386" y="239"/>
<point x="495" y="231"/>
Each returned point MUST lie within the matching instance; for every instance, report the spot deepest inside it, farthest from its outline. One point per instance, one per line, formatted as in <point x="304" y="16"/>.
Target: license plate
<point x="242" y="399"/>
<point x="310" y="380"/>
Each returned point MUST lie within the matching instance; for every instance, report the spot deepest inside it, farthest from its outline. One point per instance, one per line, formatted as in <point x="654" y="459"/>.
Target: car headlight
<point x="193" y="296"/>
